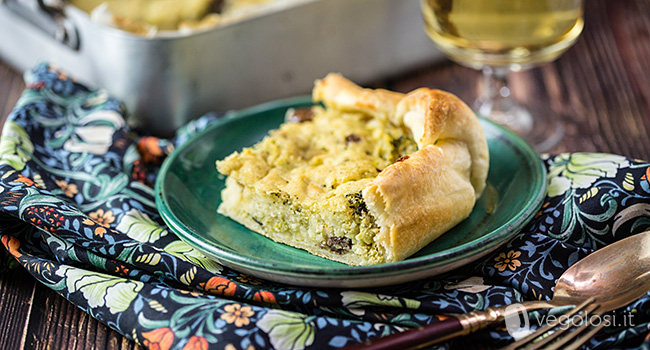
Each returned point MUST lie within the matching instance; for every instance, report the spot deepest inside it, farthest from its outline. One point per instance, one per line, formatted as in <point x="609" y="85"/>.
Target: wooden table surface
<point x="601" y="85"/>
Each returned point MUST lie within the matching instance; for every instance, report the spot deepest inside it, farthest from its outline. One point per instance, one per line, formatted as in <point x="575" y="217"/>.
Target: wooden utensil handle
<point x="449" y="328"/>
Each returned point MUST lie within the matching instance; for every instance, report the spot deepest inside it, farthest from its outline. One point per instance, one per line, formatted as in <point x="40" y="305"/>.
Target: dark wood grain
<point x="601" y="86"/>
<point x="11" y="86"/>
<point x="55" y="323"/>
<point x="16" y="294"/>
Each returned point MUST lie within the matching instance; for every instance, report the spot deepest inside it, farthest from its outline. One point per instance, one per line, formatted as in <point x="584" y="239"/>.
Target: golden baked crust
<point x="373" y="178"/>
<point x="418" y="199"/>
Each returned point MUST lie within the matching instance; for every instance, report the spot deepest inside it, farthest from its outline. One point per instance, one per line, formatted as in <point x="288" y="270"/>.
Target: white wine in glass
<point x="498" y="36"/>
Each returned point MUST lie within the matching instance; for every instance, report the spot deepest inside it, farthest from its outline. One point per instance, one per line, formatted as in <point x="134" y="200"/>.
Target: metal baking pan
<point x="168" y="80"/>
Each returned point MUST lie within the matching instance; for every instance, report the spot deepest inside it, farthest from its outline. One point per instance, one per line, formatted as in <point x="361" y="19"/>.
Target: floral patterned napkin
<point x="77" y="211"/>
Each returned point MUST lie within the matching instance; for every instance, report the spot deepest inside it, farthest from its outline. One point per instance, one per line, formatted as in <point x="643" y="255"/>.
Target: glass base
<point x="542" y="130"/>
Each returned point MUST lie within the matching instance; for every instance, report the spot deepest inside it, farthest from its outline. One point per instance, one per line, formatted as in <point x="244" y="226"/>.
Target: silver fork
<point x="564" y="332"/>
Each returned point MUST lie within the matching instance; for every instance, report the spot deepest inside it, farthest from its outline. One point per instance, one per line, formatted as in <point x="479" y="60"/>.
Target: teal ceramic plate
<point x="188" y="193"/>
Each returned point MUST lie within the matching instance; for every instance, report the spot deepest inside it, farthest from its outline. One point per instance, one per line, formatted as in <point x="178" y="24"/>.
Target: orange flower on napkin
<point x="159" y="339"/>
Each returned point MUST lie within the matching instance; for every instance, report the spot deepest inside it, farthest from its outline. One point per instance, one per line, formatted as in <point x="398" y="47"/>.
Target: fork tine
<point x="544" y="329"/>
<point x="559" y="344"/>
<point x="584" y="338"/>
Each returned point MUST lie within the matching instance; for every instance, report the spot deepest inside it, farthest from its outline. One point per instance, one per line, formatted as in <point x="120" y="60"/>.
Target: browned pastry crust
<point x="418" y="198"/>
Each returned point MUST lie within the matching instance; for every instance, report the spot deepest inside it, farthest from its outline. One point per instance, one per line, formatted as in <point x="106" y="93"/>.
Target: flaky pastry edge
<point x="421" y="196"/>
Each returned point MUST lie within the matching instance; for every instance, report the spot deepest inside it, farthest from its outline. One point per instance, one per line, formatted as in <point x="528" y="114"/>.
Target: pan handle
<point x="49" y="17"/>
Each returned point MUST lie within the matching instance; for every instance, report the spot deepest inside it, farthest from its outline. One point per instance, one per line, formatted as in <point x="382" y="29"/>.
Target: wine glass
<point x="499" y="36"/>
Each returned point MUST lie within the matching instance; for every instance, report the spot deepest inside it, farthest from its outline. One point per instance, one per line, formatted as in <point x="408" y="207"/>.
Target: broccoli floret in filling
<point x="357" y="204"/>
<point x="359" y="211"/>
<point x="403" y="145"/>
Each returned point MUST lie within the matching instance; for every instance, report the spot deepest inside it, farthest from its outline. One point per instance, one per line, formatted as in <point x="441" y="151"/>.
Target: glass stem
<point x="496" y="102"/>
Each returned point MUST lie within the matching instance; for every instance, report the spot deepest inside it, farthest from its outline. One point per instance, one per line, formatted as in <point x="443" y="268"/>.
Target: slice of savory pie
<point x="372" y="177"/>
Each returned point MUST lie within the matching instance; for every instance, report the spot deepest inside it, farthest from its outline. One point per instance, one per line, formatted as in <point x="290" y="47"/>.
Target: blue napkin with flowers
<point x="77" y="211"/>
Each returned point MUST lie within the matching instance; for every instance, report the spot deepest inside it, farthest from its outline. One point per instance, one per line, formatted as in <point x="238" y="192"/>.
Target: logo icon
<point x="517" y="321"/>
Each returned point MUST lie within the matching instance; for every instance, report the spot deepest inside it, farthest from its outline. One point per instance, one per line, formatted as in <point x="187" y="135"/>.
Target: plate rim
<point x="495" y="237"/>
